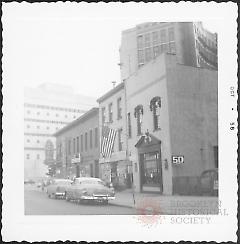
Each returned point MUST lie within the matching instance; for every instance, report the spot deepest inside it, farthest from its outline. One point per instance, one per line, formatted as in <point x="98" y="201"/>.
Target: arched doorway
<point x="150" y="164"/>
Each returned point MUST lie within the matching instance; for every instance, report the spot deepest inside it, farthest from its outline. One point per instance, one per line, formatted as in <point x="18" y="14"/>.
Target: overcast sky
<point x="76" y="44"/>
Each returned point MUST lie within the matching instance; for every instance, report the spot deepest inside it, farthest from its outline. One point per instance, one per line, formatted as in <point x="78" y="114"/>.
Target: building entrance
<point x="151" y="172"/>
<point x="150" y="164"/>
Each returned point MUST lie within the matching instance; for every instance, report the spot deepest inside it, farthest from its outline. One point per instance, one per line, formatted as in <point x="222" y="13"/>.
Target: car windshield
<point x="94" y="182"/>
<point x="63" y="182"/>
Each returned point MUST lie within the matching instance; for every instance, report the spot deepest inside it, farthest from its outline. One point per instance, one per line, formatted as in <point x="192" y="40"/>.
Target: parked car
<point x="209" y="182"/>
<point x="57" y="187"/>
<point x="31" y="182"/>
<point x="85" y="189"/>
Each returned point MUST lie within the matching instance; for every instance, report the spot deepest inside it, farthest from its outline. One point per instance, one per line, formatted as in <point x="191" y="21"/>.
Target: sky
<point x="73" y="44"/>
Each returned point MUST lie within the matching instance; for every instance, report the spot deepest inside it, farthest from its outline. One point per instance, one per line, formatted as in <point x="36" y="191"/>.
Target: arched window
<point x="138" y="113"/>
<point x="155" y="105"/>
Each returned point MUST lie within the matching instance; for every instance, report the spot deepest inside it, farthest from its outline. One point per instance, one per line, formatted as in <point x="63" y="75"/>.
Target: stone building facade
<point x="172" y="112"/>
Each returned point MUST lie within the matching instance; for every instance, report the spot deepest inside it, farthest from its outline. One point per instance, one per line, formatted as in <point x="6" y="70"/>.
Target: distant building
<point x="47" y="109"/>
<point x="78" y="147"/>
<point x="172" y="112"/>
<point x="192" y="44"/>
<point x="112" y="113"/>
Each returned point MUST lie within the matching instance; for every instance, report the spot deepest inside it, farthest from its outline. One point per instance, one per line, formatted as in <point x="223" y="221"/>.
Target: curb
<point x="122" y="205"/>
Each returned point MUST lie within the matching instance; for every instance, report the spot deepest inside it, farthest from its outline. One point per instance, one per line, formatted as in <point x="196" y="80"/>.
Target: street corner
<point x="149" y="212"/>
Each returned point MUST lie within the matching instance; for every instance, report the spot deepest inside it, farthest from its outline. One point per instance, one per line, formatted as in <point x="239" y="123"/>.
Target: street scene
<point x="149" y="140"/>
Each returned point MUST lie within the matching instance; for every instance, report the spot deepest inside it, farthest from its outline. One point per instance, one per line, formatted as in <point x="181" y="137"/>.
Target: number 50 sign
<point x="178" y="159"/>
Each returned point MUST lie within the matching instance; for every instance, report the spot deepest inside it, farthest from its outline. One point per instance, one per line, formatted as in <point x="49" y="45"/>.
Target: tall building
<point x="192" y="44"/>
<point x="172" y="112"/>
<point x="47" y="109"/>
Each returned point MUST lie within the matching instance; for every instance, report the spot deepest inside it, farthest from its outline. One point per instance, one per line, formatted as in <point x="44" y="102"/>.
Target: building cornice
<point x="111" y="92"/>
<point x="84" y="117"/>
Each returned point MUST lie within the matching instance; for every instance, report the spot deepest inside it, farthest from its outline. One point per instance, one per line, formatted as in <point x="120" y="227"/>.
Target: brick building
<point x="112" y="113"/>
<point x="79" y="140"/>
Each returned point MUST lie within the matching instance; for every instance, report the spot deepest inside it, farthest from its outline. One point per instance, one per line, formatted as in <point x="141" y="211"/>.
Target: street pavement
<point x="36" y="202"/>
<point x="126" y="203"/>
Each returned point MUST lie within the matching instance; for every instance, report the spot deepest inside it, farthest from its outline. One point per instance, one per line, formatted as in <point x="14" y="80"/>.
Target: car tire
<point x="67" y="198"/>
<point x="105" y="202"/>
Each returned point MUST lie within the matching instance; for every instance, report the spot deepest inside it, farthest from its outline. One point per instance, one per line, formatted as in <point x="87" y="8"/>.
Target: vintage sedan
<point x="85" y="189"/>
<point x="57" y="187"/>
<point x="209" y="182"/>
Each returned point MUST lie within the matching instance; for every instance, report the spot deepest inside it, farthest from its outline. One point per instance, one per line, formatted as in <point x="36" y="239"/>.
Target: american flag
<point x="107" y="142"/>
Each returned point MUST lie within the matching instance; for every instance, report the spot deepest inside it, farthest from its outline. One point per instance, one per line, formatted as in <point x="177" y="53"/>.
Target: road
<point x="37" y="202"/>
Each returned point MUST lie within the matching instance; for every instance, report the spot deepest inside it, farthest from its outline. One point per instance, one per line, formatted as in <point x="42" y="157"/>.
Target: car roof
<point x="87" y="178"/>
<point x="62" y="180"/>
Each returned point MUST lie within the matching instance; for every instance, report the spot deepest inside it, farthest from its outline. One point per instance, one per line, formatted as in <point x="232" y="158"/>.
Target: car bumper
<point x="97" y="198"/>
<point x="62" y="194"/>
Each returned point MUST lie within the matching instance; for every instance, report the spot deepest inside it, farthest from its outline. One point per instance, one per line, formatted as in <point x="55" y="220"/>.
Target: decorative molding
<point x="155" y="102"/>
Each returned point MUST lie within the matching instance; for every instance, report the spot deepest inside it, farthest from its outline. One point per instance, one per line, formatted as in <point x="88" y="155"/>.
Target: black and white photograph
<point x="119" y="121"/>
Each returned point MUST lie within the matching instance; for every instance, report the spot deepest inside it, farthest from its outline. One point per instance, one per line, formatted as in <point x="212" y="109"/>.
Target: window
<point x="38" y="141"/>
<point x="81" y="143"/>
<point x="155" y="38"/>
<point x="148" y="54"/>
<point x="47" y="114"/>
<point x="60" y="149"/>
<point x="119" y="107"/>
<point x="38" y="156"/>
<point x="120" y="142"/>
<point x="28" y="126"/>
<point x="163" y="48"/>
<point x="66" y="116"/>
<point x="171" y="34"/>
<point x="74" y="146"/>
<point x="172" y="47"/>
<point x="155" y="105"/>
<point x="215" y="153"/>
<point x="38" y="113"/>
<point x="163" y="36"/>
<point x="28" y="156"/>
<point x="78" y="144"/>
<point x="56" y="115"/>
<point x="69" y="147"/>
<point x="129" y="125"/>
<point x="28" y="140"/>
<point x="103" y="115"/>
<point x="138" y="113"/>
<point x="110" y="112"/>
<point x="156" y="51"/>
<point x="90" y="139"/>
<point x="86" y="141"/>
<point x="28" y="112"/>
<point x="140" y="56"/>
<point x="147" y="40"/>
<point x="47" y="128"/>
<point x="56" y="128"/>
<point x="38" y="127"/>
<point x="140" y="41"/>
<point x="96" y="137"/>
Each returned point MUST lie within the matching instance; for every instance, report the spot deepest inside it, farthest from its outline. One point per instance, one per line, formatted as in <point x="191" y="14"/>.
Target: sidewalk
<point x="162" y="204"/>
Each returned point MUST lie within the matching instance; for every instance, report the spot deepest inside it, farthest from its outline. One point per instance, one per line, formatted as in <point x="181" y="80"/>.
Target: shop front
<point x="117" y="172"/>
<point x="150" y="164"/>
